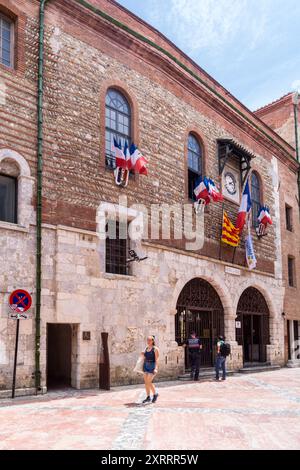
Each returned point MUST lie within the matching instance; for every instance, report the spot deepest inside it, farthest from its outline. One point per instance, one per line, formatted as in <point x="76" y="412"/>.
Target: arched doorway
<point x="252" y="325"/>
<point x="200" y="309"/>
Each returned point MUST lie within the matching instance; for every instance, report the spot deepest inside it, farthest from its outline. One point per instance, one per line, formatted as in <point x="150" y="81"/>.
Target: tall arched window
<point x="256" y="197"/>
<point x="194" y="164"/>
<point x="117" y="123"/>
<point x="6" y="41"/>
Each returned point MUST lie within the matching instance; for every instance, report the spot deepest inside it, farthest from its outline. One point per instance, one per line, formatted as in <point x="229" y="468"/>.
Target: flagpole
<point x="233" y="256"/>
<point x="220" y="247"/>
<point x="243" y="189"/>
<point x="234" y="252"/>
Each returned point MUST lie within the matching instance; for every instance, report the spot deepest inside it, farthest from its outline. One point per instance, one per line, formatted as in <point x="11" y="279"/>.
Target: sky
<point x="251" y="47"/>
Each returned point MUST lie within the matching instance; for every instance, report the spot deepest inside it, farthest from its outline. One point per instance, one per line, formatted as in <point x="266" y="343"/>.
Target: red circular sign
<point x="20" y="301"/>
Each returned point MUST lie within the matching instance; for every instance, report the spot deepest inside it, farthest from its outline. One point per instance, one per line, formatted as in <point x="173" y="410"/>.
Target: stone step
<point x="293" y="363"/>
<point x="204" y="374"/>
<point x="256" y="364"/>
<point x="255" y="369"/>
<point x="208" y="373"/>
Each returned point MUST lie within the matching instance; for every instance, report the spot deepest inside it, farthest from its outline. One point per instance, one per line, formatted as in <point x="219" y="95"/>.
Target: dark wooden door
<point x="104" y="372"/>
<point x="59" y="351"/>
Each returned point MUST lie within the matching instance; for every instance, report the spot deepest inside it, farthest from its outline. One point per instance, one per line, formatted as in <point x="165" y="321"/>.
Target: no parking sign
<point x="20" y="301"/>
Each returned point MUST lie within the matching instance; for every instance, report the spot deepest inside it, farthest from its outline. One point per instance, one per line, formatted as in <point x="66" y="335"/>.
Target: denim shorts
<point x="149" y="367"/>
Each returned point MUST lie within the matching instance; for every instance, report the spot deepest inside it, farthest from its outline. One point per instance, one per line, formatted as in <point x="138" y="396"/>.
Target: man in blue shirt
<point x="194" y="347"/>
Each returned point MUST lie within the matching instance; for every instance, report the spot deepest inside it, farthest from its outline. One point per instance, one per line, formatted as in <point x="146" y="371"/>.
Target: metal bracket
<point x="134" y="257"/>
<point x="227" y="148"/>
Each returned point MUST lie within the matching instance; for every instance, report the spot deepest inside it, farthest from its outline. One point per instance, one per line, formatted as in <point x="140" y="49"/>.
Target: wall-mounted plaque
<point x="86" y="335"/>
<point x="233" y="271"/>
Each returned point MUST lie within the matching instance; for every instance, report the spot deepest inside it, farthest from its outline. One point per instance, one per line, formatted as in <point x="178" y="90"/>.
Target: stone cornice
<point x="158" y="57"/>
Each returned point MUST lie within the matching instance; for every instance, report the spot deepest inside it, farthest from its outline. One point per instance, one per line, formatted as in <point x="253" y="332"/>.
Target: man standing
<point x="222" y="352"/>
<point x="194" y="346"/>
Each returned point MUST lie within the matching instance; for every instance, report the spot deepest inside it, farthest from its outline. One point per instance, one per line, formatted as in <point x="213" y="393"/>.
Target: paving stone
<point x="260" y="411"/>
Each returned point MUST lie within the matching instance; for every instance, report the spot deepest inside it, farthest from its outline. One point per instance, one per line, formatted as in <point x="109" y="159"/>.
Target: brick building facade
<point x="165" y="102"/>
<point x="280" y="116"/>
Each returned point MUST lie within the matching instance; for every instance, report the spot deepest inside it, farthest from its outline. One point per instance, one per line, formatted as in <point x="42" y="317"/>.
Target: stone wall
<point x="130" y="308"/>
<point x="280" y="117"/>
<point x="76" y="291"/>
<point x="17" y="271"/>
<point x="290" y="247"/>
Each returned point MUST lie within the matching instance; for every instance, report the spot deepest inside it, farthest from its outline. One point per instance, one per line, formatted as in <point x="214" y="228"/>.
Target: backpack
<point x="225" y="349"/>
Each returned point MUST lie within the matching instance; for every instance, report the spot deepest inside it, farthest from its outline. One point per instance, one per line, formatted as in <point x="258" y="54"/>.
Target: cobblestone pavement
<point x="257" y="411"/>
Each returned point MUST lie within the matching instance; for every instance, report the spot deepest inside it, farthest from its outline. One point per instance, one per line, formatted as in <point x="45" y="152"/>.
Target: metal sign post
<point x="19" y="301"/>
<point x="15" y="360"/>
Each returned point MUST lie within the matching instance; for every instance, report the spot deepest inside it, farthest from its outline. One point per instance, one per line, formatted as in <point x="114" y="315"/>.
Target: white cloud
<point x="211" y="24"/>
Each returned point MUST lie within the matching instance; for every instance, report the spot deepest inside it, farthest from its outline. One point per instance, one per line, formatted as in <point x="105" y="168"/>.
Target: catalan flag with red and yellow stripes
<point x="230" y="234"/>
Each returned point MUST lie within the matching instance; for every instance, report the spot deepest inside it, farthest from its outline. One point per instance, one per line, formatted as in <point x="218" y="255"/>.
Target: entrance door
<point x="252" y="338"/>
<point x="252" y="326"/>
<point x="201" y="323"/>
<point x="205" y="333"/>
<point x="199" y="309"/>
<point x="59" y="350"/>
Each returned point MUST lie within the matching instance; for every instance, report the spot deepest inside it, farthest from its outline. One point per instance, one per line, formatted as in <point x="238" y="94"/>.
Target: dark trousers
<point x="220" y="364"/>
<point x="195" y="364"/>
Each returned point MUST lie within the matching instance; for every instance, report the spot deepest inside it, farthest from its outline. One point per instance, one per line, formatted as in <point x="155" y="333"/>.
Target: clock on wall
<point x="231" y="184"/>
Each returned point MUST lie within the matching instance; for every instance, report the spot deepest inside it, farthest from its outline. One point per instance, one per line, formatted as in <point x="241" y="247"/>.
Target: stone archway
<point x="199" y="308"/>
<point x="252" y="325"/>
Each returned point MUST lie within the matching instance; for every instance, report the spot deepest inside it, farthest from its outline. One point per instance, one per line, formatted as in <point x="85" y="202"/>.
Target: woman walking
<point x="151" y="355"/>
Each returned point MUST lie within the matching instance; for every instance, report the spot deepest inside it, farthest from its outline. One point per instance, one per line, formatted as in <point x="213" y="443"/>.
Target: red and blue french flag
<point x="130" y="158"/>
<point x="120" y="157"/>
<point x="127" y="156"/>
<point x="264" y="216"/>
<point x="138" y="161"/>
<point x="213" y="191"/>
<point x="245" y="208"/>
<point x="201" y="190"/>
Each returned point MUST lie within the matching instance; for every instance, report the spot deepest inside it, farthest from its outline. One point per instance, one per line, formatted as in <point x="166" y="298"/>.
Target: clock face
<point x="230" y="183"/>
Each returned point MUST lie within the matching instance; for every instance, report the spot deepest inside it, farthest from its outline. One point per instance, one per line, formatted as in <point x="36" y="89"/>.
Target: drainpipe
<point x="39" y="198"/>
<point x="296" y="100"/>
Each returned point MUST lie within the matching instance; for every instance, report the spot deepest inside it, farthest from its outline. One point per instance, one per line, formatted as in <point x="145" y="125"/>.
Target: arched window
<point x="256" y="197"/>
<point x="6" y="41"/>
<point x="8" y="198"/>
<point x="16" y="185"/>
<point x="117" y="123"/>
<point x="194" y="164"/>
